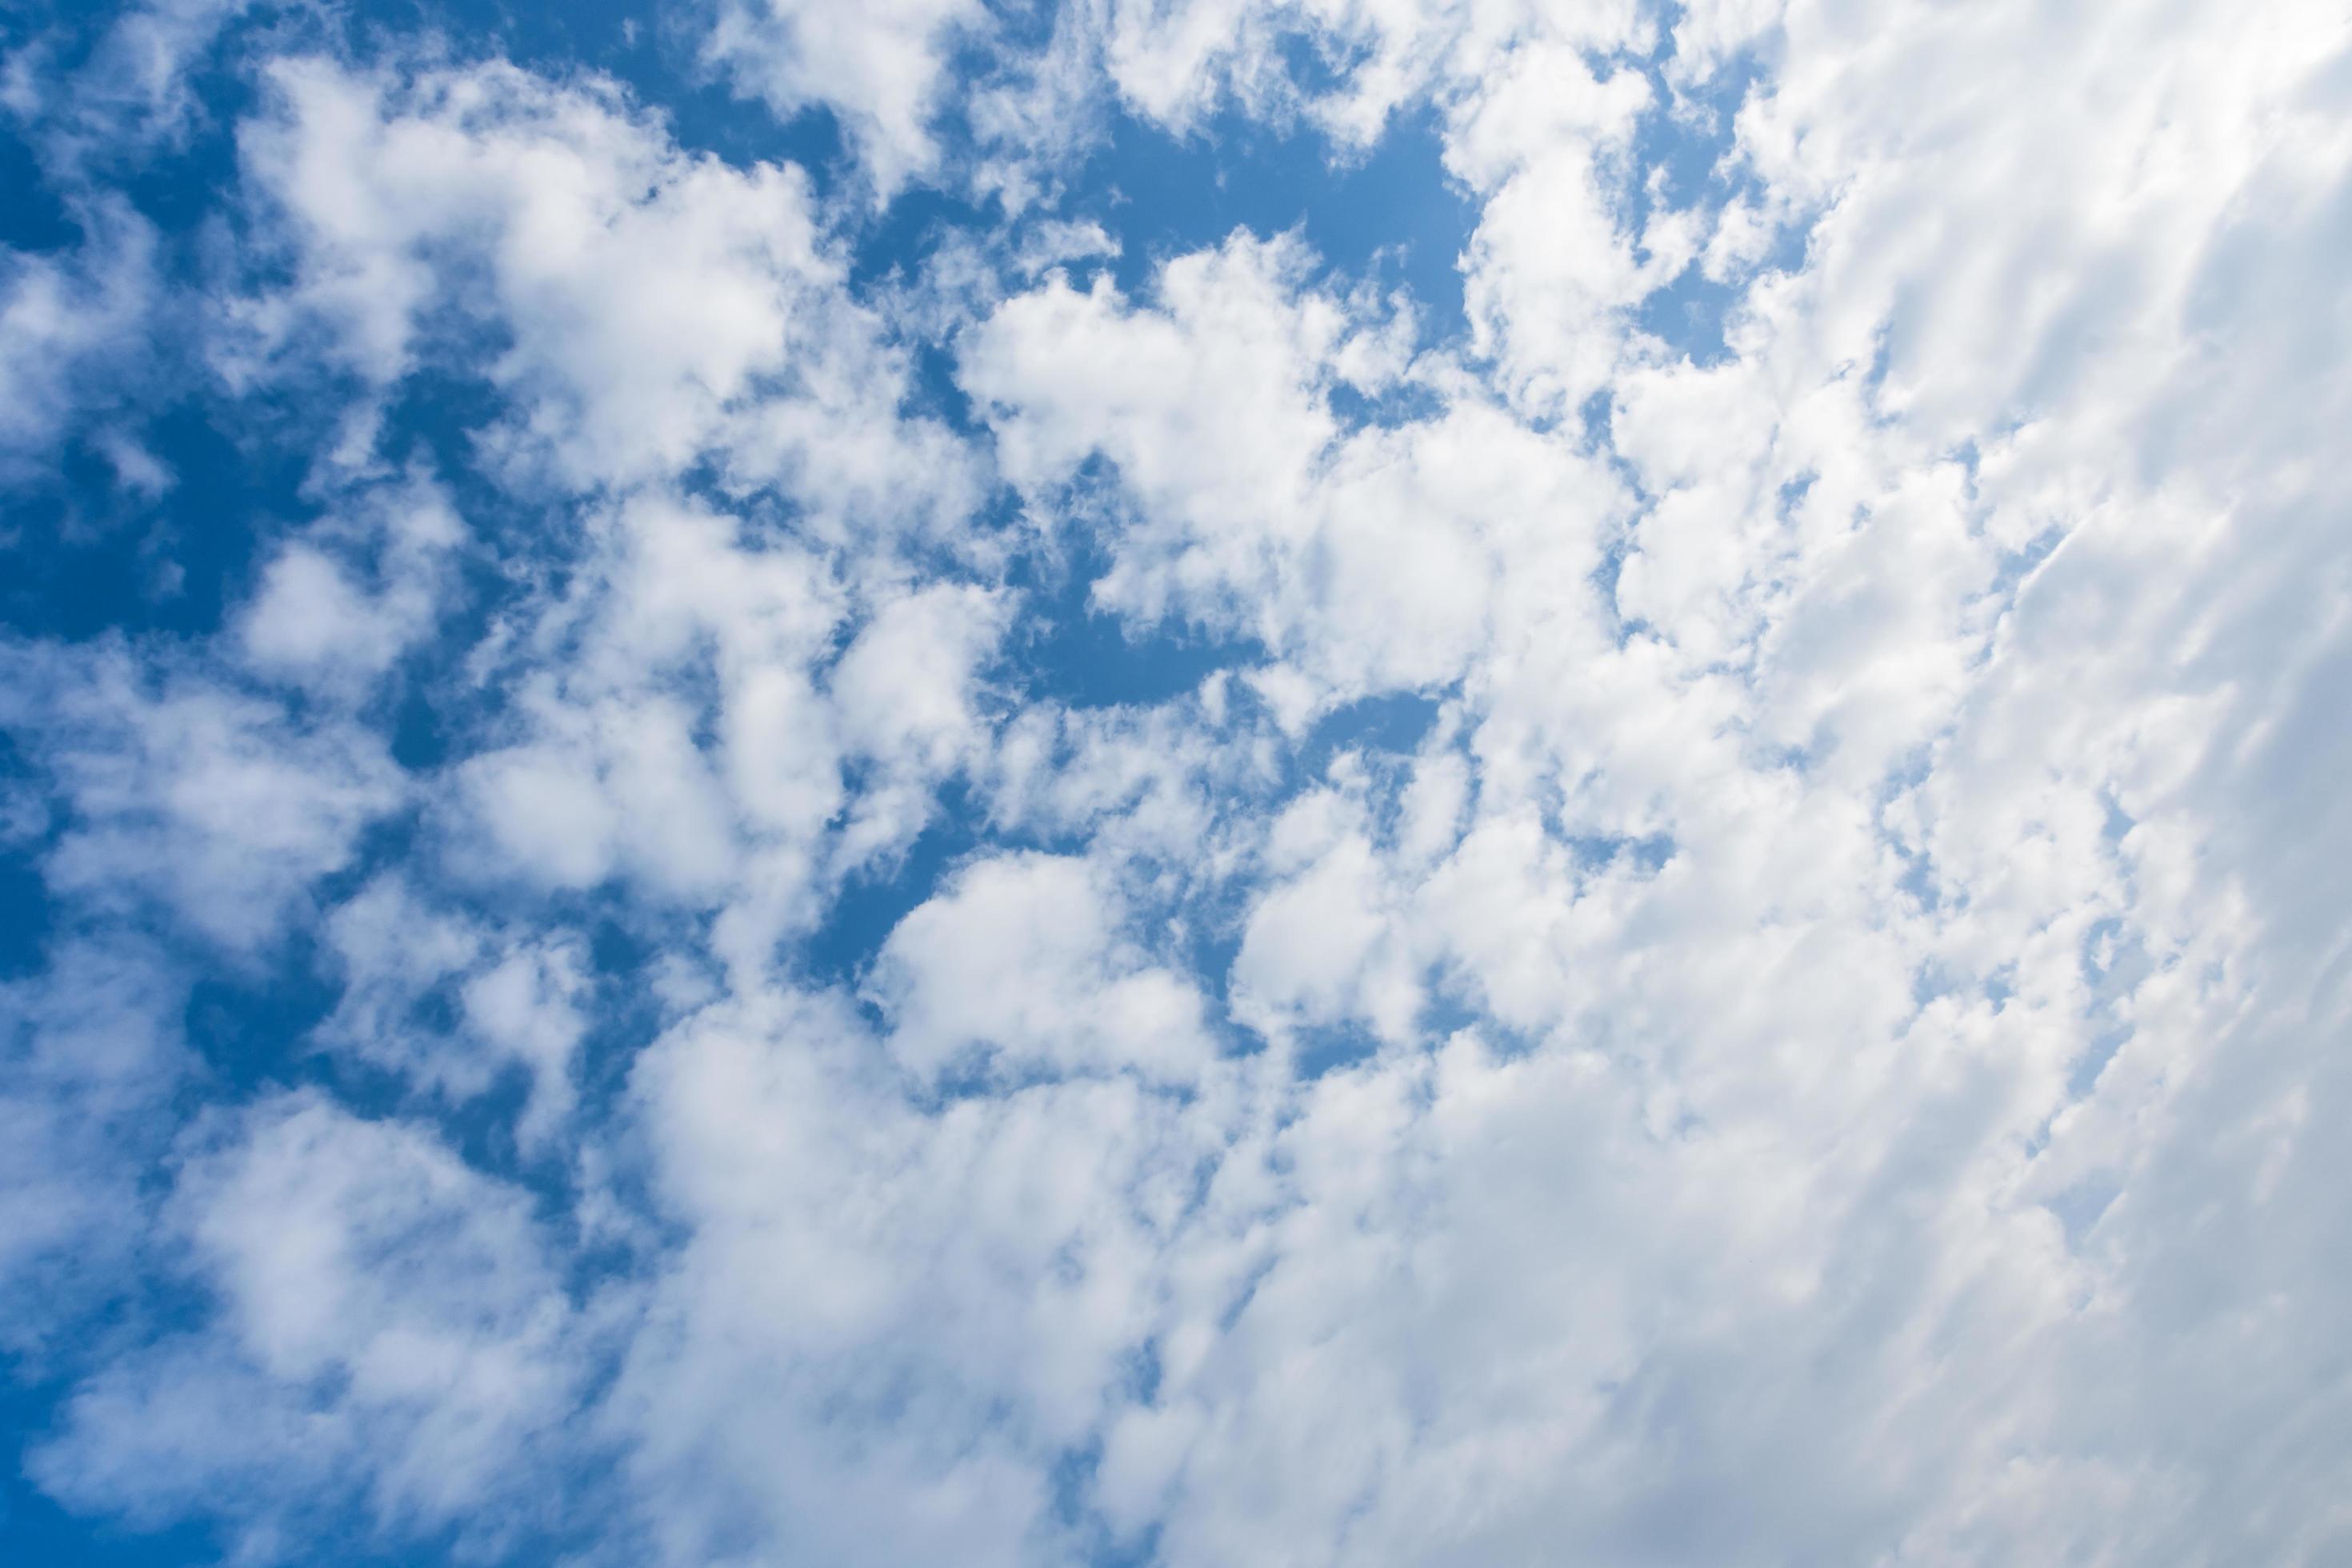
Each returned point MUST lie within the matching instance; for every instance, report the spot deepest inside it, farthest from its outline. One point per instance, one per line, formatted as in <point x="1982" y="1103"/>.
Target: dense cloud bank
<point x="1195" y="783"/>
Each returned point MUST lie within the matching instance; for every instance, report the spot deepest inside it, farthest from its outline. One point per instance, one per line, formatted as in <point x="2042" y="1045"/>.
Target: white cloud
<point x="915" y="1312"/>
<point x="358" y="1258"/>
<point x="515" y="1001"/>
<point x="190" y="793"/>
<point x="1552" y="268"/>
<point x="1368" y="557"/>
<point x="616" y="787"/>
<point x="687" y="617"/>
<point x="905" y="694"/>
<point x="876" y="68"/>
<point x="130" y="92"/>
<point x="93" y="1052"/>
<point x="658" y="306"/>
<point x="310" y="622"/>
<point x="1022" y="964"/>
<point x="1848" y="968"/>
<point x="65" y="323"/>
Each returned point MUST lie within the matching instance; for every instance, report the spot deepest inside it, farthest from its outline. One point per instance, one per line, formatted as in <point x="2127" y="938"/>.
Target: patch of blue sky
<point x="1391" y="724"/>
<point x="1071" y="649"/>
<point x="86" y="556"/>
<point x="24" y="912"/>
<point x="2080" y="1206"/>
<point x="1644" y="854"/>
<point x="37" y="1530"/>
<point x="1690" y="314"/>
<point x="34" y="216"/>
<point x="1684" y="153"/>
<point x="873" y="900"/>
<point x="654" y="54"/>
<point x="82" y="555"/>
<point x="1391" y="216"/>
<point x="1324" y="1049"/>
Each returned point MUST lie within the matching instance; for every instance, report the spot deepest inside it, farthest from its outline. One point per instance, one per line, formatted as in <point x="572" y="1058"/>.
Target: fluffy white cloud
<point x="657" y="306"/>
<point x="891" y="1322"/>
<point x="310" y="622"/>
<point x="190" y="793"/>
<point x="127" y="92"/>
<point x="1840" y="961"/>
<point x="876" y="68"/>
<point x="802" y="665"/>
<point x="1022" y="964"/>
<point x="356" y="1258"/>
<point x="65" y="324"/>
<point x="1371" y="557"/>
<point x="94" y="1053"/>
<point x="516" y="1001"/>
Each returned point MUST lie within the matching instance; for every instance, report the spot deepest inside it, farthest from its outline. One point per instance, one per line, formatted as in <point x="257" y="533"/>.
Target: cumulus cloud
<point x="924" y="1307"/>
<point x="1368" y="556"/>
<point x="316" y="619"/>
<point x="94" y="1054"/>
<point x="184" y="791"/>
<point x="878" y="69"/>
<point x="1088" y="886"/>
<point x="1020" y="962"/>
<point x="653" y="300"/>
<point x="516" y="1001"/>
<point x="127" y="94"/>
<point x="346" y="1255"/>
<point x="70" y="326"/>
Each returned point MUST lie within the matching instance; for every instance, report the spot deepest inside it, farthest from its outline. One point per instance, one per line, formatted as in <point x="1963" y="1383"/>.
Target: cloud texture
<point x="769" y="797"/>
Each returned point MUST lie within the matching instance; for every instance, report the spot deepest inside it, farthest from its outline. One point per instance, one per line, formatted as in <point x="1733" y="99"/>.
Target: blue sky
<point x="1221" y="782"/>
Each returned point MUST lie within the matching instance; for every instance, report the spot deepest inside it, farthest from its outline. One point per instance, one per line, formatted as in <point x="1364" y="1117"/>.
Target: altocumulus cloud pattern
<point x="1195" y="783"/>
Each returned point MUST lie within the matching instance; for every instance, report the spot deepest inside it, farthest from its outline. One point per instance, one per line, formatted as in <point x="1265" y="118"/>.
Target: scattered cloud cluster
<point x="827" y="858"/>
